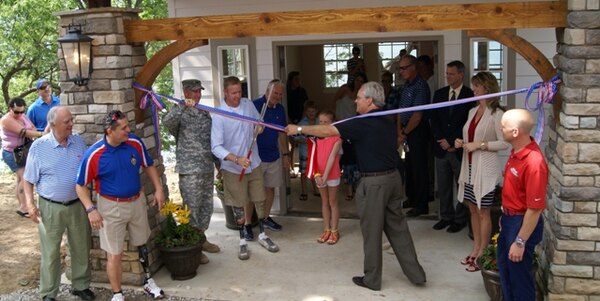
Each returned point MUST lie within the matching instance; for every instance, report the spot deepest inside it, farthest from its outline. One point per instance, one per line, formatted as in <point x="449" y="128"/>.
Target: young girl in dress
<point x="327" y="178"/>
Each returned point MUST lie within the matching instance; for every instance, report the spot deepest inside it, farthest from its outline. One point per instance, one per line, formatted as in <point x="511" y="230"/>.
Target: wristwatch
<point x="483" y="145"/>
<point x="299" y="130"/>
<point x="520" y="242"/>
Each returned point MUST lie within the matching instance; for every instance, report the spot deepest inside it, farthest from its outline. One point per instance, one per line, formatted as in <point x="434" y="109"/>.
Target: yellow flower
<point x="495" y="239"/>
<point x="182" y="215"/>
<point x="168" y="208"/>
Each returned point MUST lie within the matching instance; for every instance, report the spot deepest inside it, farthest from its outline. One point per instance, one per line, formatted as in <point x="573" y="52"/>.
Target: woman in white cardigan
<point x="480" y="170"/>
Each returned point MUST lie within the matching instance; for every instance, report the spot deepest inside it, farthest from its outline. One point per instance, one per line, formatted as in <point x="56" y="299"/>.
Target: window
<point x="234" y="62"/>
<point x="335" y="57"/>
<point x="389" y="52"/>
<point x="488" y="56"/>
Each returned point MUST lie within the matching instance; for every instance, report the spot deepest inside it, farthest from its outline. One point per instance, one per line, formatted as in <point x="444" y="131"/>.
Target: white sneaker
<point x="267" y="243"/>
<point x="152" y="289"/>
<point x="118" y="297"/>
<point x="243" y="254"/>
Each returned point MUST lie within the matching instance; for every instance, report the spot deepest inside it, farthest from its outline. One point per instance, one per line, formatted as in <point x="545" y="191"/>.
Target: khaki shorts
<point x="251" y="188"/>
<point x="273" y="173"/>
<point x="121" y="219"/>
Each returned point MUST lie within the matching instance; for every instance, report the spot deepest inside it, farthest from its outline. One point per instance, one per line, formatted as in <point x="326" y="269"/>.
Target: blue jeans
<point x="517" y="277"/>
<point x="9" y="160"/>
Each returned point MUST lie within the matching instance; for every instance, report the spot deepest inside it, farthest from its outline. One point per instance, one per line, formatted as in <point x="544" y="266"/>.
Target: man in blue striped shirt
<point x="52" y="167"/>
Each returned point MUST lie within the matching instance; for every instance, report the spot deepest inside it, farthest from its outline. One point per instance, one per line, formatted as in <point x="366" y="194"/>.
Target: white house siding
<point x="198" y="62"/>
<point x="201" y="57"/>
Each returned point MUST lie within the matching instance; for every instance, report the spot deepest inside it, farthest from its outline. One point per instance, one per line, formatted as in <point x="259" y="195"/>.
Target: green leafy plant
<point x="219" y="185"/>
<point x="488" y="258"/>
<point x="177" y="231"/>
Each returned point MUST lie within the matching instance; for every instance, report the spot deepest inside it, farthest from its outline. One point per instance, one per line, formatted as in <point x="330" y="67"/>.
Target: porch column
<point x="572" y="238"/>
<point x="115" y="64"/>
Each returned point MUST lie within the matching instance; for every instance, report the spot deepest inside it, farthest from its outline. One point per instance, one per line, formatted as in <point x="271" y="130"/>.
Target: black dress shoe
<point x="360" y="281"/>
<point x="85" y="294"/>
<point x="441" y="225"/>
<point x="455" y="227"/>
<point x="416" y="212"/>
<point x="46" y="298"/>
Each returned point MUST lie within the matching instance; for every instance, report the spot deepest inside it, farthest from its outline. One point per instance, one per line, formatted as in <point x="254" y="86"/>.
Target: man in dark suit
<point x="447" y="124"/>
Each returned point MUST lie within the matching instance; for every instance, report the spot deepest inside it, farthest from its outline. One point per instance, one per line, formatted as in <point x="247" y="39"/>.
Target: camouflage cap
<point x="192" y="84"/>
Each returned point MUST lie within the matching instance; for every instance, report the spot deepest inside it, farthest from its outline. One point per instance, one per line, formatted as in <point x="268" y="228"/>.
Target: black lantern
<point x="77" y="52"/>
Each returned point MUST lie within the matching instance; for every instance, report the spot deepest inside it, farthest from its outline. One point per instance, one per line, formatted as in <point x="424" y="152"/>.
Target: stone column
<point x="572" y="237"/>
<point x="115" y="64"/>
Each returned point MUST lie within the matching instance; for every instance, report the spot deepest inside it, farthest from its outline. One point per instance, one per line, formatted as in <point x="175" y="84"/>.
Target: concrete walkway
<point x="304" y="270"/>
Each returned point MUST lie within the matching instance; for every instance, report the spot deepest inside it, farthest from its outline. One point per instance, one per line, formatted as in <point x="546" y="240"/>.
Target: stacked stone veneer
<point x="115" y="64"/>
<point x="571" y="244"/>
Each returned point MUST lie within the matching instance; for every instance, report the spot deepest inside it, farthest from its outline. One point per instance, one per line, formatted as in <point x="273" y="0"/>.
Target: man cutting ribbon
<point x="231" y="141"/>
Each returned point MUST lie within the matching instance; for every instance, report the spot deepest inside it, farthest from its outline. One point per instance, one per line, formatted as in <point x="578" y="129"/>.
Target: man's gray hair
<point x="51" y="117"/>
<point x="274" y="82"/>
<point x="374" y="90"/>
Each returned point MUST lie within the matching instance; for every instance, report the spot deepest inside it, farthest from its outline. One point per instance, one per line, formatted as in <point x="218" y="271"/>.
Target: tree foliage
<point x="28" y="46"/>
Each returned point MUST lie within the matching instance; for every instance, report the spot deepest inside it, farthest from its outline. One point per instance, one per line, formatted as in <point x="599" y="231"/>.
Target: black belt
<point x="377" y="173"/>
<point x="67" y="203"/>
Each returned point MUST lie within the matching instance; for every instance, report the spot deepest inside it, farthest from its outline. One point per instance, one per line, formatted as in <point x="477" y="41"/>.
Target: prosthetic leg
<point x="238" y="216"/>
<point x="149" y="285"/>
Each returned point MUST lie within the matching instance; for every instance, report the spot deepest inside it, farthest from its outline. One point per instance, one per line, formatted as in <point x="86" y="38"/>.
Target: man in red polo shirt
<point x="523" y="200"/>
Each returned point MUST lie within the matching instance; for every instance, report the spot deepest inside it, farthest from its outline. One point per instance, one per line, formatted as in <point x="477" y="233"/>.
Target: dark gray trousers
<point x="379" y="203"/>
<point x="448" y="170"/>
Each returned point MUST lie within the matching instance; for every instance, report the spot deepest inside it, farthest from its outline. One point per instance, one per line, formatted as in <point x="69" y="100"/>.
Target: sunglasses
<point x="402" y="68"/>
<point x="18" y="112"/>
<point x="44" y="87"/>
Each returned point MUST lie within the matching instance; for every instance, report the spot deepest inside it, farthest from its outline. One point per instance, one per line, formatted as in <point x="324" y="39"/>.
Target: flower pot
<point x="493" y="286"/>
<point x="229" y="218"/>
<point x="182" y="262"/>
<point x="491" y="282"/>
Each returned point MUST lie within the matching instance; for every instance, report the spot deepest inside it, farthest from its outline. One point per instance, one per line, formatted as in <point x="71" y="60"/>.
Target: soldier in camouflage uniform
<point x="194" y="159"/>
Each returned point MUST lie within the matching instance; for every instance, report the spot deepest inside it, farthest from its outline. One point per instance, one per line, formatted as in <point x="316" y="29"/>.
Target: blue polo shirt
<point x="268" y="141"/>
<point x="115" y="171"/>
<point x="38" y="111"/>
<point x="414" y="93"/>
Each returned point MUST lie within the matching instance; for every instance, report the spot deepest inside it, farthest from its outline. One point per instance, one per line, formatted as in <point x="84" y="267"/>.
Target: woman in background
<point x="345" y="107"/>
<point x="480" y="170"/>
<point x="15" y="127"/>
<point x="296" y="98"/>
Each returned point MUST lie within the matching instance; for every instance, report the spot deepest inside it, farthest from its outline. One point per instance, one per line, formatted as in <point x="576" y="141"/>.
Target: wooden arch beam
<point x="157" y="63"/>
<point x="530" y="53"/>
<point x="524" y="14"/>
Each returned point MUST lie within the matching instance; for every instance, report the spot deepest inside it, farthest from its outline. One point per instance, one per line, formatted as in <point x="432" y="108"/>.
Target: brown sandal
<point x="468" y="260"/>
<point x="324" y="236"/>
<point x="473" y="267"/>
<point x="334" y="237"/>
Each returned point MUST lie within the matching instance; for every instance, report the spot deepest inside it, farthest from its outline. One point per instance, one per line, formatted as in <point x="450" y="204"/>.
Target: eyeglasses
<point x="18" y="112"/>
<point x="402" y="68"/>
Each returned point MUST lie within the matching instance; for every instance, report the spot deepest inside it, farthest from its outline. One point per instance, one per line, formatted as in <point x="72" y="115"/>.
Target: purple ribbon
<point x="149" y="99"/>
<point x="546" y="92"/>
<point x="212" y="109"/>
